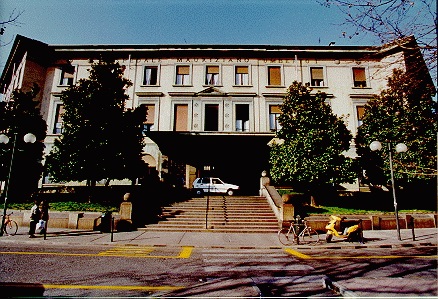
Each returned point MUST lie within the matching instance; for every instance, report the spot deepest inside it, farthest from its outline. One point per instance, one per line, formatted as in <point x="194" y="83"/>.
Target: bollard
<point x="45" y="230"/>
<point x="411" y="222"/>
<point x="112" y="229"/>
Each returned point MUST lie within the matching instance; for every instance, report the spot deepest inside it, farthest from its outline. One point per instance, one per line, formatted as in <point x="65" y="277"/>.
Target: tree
<point x="11" y="20"/>
<point x="101" y="139"/>
<point x="390" y="21"/>
<point x="311" y="156"/>
<point x="400" y="114"/>
<point x="19" y="116"/>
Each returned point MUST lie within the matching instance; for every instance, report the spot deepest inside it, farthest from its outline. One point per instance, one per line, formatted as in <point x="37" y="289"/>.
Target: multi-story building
<point x="210" y="107"/>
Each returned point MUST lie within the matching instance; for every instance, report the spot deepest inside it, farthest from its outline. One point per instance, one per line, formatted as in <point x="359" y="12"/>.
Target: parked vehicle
<point x="351" y="230"/>
<point x="213" y="185"/>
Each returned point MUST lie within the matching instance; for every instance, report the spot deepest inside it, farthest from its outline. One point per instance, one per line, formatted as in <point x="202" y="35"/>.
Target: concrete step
<point x="230" y="214"/>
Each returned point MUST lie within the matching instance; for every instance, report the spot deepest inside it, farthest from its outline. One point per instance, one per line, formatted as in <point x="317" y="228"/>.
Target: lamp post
<point x="28" y="138"/>
<point x="399" y="148"/>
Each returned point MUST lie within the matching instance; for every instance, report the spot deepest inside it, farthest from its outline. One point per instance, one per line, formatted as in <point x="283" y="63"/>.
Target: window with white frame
<point x="150" y="75"/>
<point x="58" y="125"/>
<point x="317" y="76"/>
<point x="212" y="75"/>
<point x="274" y="75"/>
<point x="181" y="116"/>
<point x="67" y="76"/>
<point x="274" y="113"/>
<point x="241" y="75"/>
<point x="242" y="117"/>
<point x="360" y="111"/>
<point x="182" y="75"/>
<point x="148" y="124"/>
<point x="211" y="120"/>
<point x="359" y="77"/>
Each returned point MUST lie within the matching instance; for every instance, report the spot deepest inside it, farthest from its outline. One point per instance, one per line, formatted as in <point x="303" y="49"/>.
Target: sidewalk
<point x="373" y="238"/>
<point x="354" y="287"/>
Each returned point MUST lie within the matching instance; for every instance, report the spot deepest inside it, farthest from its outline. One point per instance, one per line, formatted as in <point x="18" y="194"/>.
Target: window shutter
<point x="212" y="70"/>
<point x="150" y="117"/>
<point x="360" y="112"/>
<point x="181" y="117"/>
<point x="241" y="70"/>
<point x="317" y="73"/>
<point x="275" y="109"/>
<point x="359" y="74"/>
<point x="274" y="75"/>
<point x="183" y="70"/>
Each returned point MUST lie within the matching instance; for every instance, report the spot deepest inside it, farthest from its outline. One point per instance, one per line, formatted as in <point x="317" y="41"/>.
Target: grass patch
<point x="66" y="206"/>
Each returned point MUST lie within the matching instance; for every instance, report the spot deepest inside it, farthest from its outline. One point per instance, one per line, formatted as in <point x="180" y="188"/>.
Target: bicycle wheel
<point x="310" y="236"/>
<point x="11" y="227"/>
<point x="286" y="237"/>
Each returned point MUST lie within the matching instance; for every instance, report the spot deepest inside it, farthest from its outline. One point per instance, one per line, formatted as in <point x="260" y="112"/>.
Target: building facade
<point x="211" y="108"/>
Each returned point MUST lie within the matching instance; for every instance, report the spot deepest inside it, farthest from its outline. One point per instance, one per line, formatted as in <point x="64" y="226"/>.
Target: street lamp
<point x="28" y="138"/>
<point x="399" y="148"/>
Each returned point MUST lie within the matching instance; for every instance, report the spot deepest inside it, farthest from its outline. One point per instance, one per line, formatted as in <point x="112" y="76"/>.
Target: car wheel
<point x="230" y="192"/>
<point x="198" y="191"/>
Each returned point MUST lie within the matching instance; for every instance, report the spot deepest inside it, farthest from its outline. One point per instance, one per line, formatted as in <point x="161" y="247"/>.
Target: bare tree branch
<point x="392" y="20"/>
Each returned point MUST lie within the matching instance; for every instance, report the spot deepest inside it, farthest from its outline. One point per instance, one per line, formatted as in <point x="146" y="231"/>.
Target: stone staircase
<point x="225" y="214"/>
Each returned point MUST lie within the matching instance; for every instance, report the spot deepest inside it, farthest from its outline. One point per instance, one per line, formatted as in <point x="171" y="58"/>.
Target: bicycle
<point x="10" y="226"/>
<point x="287" y="236"/>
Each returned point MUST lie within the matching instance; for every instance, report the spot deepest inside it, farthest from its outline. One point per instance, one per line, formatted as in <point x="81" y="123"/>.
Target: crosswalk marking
<point x="128" y="251"/>
<point x="144" y="252"/>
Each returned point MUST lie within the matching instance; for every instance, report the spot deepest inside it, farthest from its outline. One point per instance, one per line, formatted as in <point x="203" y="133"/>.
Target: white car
<point x="213" y="185"/>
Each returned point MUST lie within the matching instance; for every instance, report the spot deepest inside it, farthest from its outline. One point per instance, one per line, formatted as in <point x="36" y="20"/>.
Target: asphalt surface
<point x="355" y="287"/>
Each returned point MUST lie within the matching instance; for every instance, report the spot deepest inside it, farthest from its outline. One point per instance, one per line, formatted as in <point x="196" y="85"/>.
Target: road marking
<point x="108" y="287"/>
<point x="376" y="257"/>
<point x="126" y="251"/>
<point x="297" y="254"/>
<point x="185" y="253"/>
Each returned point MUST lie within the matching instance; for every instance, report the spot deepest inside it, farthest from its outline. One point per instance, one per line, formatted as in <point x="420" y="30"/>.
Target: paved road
<point x="83" y="263"/>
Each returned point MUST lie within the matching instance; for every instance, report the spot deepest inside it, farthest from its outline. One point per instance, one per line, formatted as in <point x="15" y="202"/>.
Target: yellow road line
<point x="376" y="257"/>
<point x="185" y="253"/>
<point x="109" y="287"/>
<point x="304" y="256"/>
<point x="297" y="254"/>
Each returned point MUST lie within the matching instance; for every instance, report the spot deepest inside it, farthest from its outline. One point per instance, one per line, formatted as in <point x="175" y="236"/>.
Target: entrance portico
<point x="237" y="158"/>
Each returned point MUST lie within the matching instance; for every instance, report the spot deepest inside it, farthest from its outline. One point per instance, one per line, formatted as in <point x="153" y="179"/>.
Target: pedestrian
<point x="44" y="214"/>
<point x="35" y="215"/>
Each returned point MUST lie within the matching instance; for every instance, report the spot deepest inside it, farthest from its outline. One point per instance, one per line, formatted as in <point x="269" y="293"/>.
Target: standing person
<point x="44" y="215"/>
<point x="35" y="215"/>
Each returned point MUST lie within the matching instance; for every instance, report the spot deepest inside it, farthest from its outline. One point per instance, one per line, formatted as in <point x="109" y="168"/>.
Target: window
<point x="150" y="76"/>
<point x="67" y="76"/>
<point x="242" y="75"/>
<point x="274" y="113"/>
<point x="359" y="77"/>
<point x="59" y="123"/>
<point x="317" y="76"/>
<point x="211" y="121"/>
<point x="274" y="75"/>
<point x="183" y="75"/>
<point x="242" y="117"/>
<point x="212" y="75"/>
<point x="148" y="124"/>
<point x="360" y="111"/>
<point x="180" y="117"/>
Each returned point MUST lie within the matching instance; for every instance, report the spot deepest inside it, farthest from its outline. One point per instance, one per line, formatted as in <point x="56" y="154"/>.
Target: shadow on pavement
<point x="16" y="289"/>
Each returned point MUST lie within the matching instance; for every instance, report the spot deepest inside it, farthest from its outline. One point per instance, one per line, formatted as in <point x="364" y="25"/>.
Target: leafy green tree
<point x="315" y="139"/>
<point x="400" y="114"/>
<point x="101" y="139"/>
<point x="19" y="116"/>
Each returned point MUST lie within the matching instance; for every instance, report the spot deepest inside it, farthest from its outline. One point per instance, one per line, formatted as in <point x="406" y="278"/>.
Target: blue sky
<point x="273" y="22"/>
